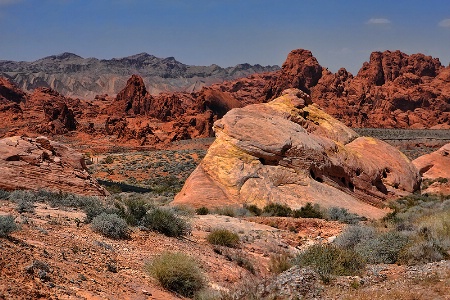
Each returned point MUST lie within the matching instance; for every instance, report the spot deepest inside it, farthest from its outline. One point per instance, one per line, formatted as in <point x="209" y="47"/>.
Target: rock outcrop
<point x="289" y="151"/>
<point x="435" y="170"/>
<point x="51" y="108"/>
<point x="392" y="90"/>
<point x="39" y="163"/>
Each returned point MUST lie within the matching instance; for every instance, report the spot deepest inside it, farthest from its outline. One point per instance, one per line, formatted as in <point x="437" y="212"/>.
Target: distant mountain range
<point x="75" y="76"/>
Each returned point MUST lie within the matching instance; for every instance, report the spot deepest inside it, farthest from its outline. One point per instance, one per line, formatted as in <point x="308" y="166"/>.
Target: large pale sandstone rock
<point x="28" y="163"/>
<point x="436" y="168"/>
<point x="291" y="152"/>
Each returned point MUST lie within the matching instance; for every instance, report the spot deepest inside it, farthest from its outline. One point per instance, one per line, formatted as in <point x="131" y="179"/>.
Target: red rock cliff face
<point x="134" y="98"/>
<point x="393" y="89"/>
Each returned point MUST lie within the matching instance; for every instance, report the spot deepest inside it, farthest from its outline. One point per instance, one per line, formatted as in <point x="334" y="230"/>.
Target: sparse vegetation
<point x="7" y="225"/>
<point x="384" y="248"/>
<point x="202" y="211"/>
<point x="177" y="272"/>
<point x="24" y="200"/>
<point x="165" y="221"/>
<point x="223" y="237"/>
<point x="132" y="210"/>
<point x="252" y="208"/>
<point x="277" y="210"/>
<point x="343" y="215"/>
<point x="279" y="263"/>
<point x="110" y="225"/>
<point x="308" y="211"/>
<point x="226" y="211"/>
<point x="330" y="260"/>
<point x="4" y="194"/>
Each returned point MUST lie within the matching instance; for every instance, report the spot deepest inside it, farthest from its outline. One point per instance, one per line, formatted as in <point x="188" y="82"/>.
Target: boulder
<point x="289" y="151"/>
<point x="39" y="163"/>
<point x="435" y="170"/>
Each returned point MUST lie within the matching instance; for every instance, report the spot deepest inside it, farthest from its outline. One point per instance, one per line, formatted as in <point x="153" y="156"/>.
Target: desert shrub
<point x="279" y="263"/>
<point x="384" y="248"/>
<point x="202" y="211"/>
<point x="225" y="211"/>
<point x="132" y="210"/>
<point x="96" y="208"/>
<point x="4" y="194"/>
<point x="166" y="222"/>
<point x="430" y="241"/>
<point x="223" y="237"/>
<point x="110" y="225"/>
<point x="63" y="199"/>
<point x="308" y="211"/>
<point x="252" y="208"/>
<point x="343" y="215"/>
<point x="277" y="210"/>
<point x="7" y="225"/>
<point x="330" y="260"/>
<point x="107" y="160"/>
<point x="177" y="272"/>
<point x="354" y="235"/>
<point x="207" y="294"/>
<point x="24" y="200"/>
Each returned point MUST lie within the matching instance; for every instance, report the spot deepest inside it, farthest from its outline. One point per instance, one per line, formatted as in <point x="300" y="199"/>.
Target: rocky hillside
<point x="75" y="76"/>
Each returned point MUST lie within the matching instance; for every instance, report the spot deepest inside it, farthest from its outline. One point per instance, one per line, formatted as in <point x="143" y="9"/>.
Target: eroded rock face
<point x="392" y="90"/>
<point x="51" y="107"/>
<point x="435" y="168"/>
<point x="134" y="98"/>
<point x="9" y="92"/>
<point x="289" y="151"/>
<point x="28" y="163"/>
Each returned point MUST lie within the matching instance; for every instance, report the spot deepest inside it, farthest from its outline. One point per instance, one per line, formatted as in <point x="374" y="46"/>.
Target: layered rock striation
<point x="289" y="151"/>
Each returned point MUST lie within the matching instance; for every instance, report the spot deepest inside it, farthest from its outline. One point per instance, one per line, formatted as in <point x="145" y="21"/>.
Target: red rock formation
<point x="10" y="98"/>
<point x="10" y="92"/>
<point x="301" y="70"/>
<point x="51" y="109"/>
<point x="435" y="170"/>
<point x="134" y="98"/>
<point x="34" y="164"/>
<point x="289" y="151"/>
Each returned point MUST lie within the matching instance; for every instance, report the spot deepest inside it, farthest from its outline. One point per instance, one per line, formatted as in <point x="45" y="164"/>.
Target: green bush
<point x="308" y="211"/>
<point x="177" y="272"/>
<point x="384" y="248"/>
<point x="132" y="210"/>
<point x="223" y="237"/>
<point x="7" y="225"/>
<point x="330" y="260"/>
<point x="255" y="210"/>
<point x="353" y="235"/>
<point x="110" y="225"/>
<point x="202" y="211"/>
<point x="107" y="160"/>
<point x="277" y="210"/>
<point x="166" y="222"/>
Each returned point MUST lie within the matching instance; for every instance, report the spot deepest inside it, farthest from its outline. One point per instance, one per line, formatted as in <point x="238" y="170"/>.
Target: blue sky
<point x="227" y="32"/>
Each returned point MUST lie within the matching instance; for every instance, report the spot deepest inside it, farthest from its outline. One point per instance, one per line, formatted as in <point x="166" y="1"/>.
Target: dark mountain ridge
<point x="75" y="76"/>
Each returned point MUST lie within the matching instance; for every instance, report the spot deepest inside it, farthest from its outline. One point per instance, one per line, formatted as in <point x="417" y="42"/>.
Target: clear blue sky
<point x="226" y="32"/>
